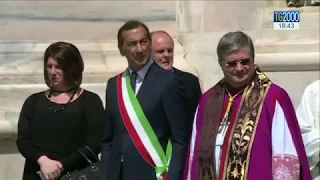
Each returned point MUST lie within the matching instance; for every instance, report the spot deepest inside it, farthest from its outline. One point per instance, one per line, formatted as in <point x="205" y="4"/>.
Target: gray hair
<point x="233" y="41"/>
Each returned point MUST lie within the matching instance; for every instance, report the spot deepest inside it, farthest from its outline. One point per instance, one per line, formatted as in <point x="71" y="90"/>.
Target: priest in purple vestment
<point x="245" y="126"/>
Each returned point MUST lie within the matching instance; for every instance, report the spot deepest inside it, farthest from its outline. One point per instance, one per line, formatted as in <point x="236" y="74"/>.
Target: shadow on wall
<point x="8" y="146"/>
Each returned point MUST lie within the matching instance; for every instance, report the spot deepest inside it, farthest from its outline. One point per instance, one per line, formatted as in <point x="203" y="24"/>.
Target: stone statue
<point x="294" y="3"/>
<point x="315" y="2"/>
<point x="299" y="3"/>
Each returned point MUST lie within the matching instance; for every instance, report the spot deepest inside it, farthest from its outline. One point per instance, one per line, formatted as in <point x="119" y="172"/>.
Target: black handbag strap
<point x="88" y="159"/>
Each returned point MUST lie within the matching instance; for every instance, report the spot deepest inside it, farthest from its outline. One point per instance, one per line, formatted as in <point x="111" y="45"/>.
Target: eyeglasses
<point x="243" y="62"/>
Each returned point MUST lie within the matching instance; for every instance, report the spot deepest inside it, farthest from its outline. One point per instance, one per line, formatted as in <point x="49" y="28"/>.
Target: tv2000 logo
<point x="286" y="16"/>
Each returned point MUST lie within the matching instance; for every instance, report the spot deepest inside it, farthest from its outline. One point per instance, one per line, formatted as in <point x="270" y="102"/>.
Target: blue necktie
<point x="133" y="79"/>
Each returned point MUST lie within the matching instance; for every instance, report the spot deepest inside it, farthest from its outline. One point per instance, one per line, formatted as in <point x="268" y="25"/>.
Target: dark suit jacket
<point x="161" y="97"/>
<point x="193" y="94"/>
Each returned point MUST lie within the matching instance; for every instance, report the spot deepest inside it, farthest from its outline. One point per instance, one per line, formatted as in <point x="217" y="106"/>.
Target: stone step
<point x="306" y="10"/>
<point x="80" y="20"/>
<point x="13" y="96"/>
<point x="2" y="114"/>
<point x="286" y="46"/>
<point x="306" y="40"/>
<point x="8" y="114"/>
<point x="70" y="31"/>
<point x="21" y="62"/>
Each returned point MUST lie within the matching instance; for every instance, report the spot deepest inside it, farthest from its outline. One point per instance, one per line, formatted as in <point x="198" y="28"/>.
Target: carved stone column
<point x="284" y="55"/>
<point x="202" y="23"/>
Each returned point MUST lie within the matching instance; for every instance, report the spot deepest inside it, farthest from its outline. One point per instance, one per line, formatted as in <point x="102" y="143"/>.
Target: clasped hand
<point x="49" y="169"/>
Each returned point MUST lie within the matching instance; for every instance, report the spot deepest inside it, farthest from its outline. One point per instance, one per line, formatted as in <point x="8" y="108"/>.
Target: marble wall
<point x="290" y="58"/>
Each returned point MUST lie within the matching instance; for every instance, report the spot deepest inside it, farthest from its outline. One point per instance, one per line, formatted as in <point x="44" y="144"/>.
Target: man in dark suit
<point x="162" y="54"/>
<point x="155" y="98"/>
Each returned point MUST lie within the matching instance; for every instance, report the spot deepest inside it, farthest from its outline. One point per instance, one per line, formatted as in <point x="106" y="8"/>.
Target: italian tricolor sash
<point x="140" y="129"/>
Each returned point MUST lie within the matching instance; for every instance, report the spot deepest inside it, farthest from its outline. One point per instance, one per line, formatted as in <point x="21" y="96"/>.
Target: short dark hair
<point x="69" y="58"/>
<point x="129" y="25"/>
<point x="233" y="41"/>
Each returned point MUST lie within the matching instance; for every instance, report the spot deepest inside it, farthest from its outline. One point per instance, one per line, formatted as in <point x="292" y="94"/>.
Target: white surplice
<point x="308" y="114"/>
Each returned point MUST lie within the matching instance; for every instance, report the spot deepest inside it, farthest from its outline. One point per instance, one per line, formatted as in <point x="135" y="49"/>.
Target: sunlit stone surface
<point x="291" y="58"/>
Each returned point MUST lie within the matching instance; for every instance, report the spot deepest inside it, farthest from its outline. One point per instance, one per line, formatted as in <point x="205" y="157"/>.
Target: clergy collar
<point x="143" y="71"/>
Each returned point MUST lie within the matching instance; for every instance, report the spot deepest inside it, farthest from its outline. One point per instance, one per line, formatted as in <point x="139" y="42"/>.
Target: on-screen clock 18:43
<point x="286" y="20"/>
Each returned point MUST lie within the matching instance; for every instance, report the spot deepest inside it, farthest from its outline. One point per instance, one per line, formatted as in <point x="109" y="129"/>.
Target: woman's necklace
<point x="59" y="92"/>
<point x="65" y="105"/>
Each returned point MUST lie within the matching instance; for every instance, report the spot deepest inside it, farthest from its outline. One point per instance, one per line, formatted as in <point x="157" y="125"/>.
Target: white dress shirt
<point x="141" y="74"/>
<point x="308" y="114"/>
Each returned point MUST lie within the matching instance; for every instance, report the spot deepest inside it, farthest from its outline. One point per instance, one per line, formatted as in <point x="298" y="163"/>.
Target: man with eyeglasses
<point x="245" y="126"/>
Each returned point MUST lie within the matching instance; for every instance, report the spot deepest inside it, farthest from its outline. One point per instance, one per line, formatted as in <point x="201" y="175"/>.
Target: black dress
<point x="59" y="135"/>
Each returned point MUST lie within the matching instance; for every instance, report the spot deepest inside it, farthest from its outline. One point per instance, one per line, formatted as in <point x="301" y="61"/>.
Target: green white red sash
<point x="140" y="129"/>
